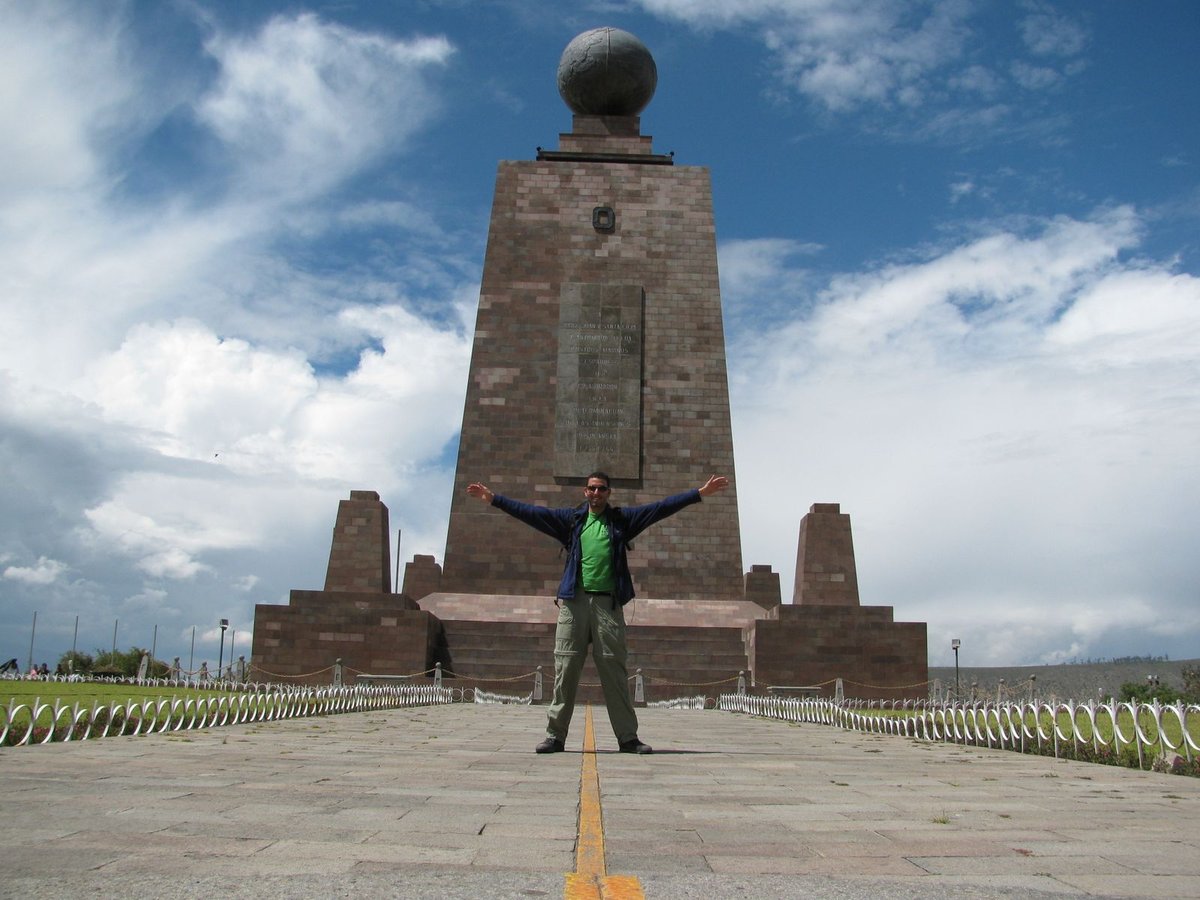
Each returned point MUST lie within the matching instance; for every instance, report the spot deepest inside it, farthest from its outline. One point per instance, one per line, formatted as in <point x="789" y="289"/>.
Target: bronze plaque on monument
<point x="598" y="410"/>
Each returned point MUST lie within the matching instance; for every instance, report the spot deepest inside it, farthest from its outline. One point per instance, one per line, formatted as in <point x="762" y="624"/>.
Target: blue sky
<point x="960" y="262"/>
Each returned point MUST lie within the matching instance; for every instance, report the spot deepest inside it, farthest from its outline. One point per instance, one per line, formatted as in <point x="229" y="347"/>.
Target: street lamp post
<point x="32" y="634"/>
<point x="954" y="645"/>
<point x="221" y="656"/>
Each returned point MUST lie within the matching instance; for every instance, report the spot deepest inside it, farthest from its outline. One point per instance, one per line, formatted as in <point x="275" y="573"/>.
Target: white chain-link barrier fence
<point x="1153" y="732"/>
<point x="37" y="722"/>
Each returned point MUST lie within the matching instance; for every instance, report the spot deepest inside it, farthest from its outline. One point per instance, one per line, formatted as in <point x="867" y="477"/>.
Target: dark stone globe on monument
<point x="606" y="72"/>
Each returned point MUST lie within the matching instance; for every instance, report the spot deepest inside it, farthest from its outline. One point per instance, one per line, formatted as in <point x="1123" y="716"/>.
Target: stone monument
<point x="599" y="344"/>
<point x="825" y="632"/>
<point x="356" y="618"/>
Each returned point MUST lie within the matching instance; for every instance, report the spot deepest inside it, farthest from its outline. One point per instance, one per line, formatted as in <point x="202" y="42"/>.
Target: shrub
<point x="1136" y="692"/>
<point x="1191" y="684"/>
<point x="1177" y="765"/>
<point x="73" y="663"/>
<point x="127" y="663"/>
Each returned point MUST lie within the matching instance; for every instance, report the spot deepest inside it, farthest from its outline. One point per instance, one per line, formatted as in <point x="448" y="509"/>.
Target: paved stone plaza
<point x="452" y="802"/>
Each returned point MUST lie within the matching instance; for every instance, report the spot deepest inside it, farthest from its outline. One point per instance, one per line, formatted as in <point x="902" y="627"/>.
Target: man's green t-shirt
<point x="596" y="571"/>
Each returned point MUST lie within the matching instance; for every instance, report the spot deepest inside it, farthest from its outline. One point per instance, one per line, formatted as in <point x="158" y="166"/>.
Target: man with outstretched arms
<point x="596" y="585"/>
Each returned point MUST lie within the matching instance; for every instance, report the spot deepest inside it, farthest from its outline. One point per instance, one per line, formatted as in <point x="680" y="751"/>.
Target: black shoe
<point x="550" y="745"/>
<point x="633" y="745"/>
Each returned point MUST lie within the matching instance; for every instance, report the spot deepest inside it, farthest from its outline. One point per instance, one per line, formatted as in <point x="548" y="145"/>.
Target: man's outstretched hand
<point x="713" y="485"/>
<point x="480" y="491"/>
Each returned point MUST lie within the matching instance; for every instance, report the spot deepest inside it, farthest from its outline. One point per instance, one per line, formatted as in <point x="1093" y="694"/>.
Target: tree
<point x="126" y="663"/>
<point x="1191" y="684"/>
<point x="74" y="663"/>
<point x="1136" y="692"/>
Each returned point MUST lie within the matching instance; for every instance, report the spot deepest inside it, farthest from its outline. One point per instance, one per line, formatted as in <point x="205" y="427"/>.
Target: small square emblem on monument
<point x="604" y="218"/>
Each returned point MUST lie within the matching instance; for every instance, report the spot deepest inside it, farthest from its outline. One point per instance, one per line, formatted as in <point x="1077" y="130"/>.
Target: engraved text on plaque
<point x="598" y="415"/>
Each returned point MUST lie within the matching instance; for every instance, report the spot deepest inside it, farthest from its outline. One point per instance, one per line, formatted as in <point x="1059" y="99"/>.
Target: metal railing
<point x="38" y="722"/>
<point x="1060" y="729"/>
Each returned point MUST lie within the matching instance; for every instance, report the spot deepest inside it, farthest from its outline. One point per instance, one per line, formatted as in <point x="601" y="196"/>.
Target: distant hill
<point x="1082" y="681"/>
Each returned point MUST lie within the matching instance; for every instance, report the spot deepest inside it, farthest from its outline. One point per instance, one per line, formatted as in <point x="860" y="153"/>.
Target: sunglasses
<point x="597" y="488"/>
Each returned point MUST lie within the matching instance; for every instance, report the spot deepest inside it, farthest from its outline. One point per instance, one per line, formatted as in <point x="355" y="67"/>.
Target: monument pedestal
<point x="683" y="647"/>
<point x="381" y="634"/>
<point x="811" y="646"/>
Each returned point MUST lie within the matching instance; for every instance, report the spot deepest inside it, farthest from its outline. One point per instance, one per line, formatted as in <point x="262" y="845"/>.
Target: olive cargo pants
<point x="591" y="618"/>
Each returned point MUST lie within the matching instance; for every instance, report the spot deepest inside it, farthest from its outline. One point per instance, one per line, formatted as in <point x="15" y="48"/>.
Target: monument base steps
<point x="675" y="660"/>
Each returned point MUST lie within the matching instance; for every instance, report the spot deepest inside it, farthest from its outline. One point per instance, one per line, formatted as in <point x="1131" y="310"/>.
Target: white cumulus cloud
<point x="989" y="417"/>
<point x="44" y="571"/>
<point x="305" y="102"/>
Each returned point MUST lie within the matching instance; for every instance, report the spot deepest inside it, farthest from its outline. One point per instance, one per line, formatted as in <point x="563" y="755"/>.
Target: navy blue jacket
<point x="624" y="524"/>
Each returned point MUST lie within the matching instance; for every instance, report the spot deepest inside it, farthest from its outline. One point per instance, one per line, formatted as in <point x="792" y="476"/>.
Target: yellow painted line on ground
<point x="590" y="880"/>
<point x="589" y="849"/>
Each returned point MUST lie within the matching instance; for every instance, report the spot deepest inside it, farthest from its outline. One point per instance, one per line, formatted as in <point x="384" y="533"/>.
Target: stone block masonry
<point x="383" y="634"/>
<point x="356" y="618"/>
<point x="360" y="553"/>
<point x="825" y="570"/>
<point x="876" y="657"/>
<point x="563" y="229"/>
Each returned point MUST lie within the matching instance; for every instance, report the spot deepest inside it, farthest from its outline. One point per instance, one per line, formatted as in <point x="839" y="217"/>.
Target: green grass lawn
<point x="87" y="692"/>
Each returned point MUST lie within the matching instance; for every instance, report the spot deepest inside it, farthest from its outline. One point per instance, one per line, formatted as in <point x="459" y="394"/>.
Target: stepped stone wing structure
<point x="599" y="344"/>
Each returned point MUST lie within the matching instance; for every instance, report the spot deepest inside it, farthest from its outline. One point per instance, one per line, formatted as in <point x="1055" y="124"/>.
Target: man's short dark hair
<point x="603" y="476"/>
